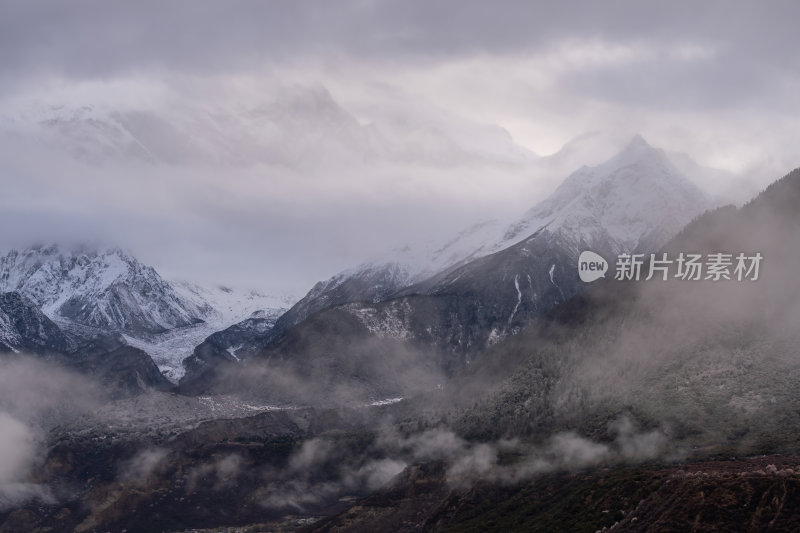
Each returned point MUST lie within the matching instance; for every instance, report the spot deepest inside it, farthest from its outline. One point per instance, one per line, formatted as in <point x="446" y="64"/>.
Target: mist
<point x="707" y="363"/>
<point x="35" y="397"/>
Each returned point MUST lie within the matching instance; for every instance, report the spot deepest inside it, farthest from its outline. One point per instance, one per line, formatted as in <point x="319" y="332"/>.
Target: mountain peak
<point x="637" y="141"/>
<point x="636" y="150"/>
<point x="104" y="288"/>
<point x="636" y="194"/>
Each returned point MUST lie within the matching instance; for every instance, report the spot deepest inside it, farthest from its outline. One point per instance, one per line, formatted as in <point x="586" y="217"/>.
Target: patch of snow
<point x="387" y="401"/>
<point x="232" y="351"/>
<point x="519" y="298"/>
<point x="392" y="323"/>
<point x="232" y="305"/>
<point x="494" y="337"/>
<point x="169" y="349"/>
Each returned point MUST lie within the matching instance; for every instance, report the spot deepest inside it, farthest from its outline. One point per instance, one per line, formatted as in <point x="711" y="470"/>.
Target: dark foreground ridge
<point x="752" y="494"/>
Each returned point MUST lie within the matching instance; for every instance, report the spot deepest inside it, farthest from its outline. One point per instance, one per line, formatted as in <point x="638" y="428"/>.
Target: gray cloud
<point x="198" y="194"/>
<point x="751" y="46"/>
<point x="141" y="468"/>
<point x="99" y="38"/>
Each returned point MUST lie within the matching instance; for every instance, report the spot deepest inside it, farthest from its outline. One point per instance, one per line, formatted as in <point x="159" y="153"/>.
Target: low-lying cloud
<point x="468" y="461"/>
<point x="35" y="396"/>
<point x="143" y="466"/>
<point x="18" y="452"/>
<point x="301" y="484"/>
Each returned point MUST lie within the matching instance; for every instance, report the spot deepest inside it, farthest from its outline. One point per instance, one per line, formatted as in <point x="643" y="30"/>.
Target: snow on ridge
<point x="229" y="307"/>
<point x="633" y="194"/>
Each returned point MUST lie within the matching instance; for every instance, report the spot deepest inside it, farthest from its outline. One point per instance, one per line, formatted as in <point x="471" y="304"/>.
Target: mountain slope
<point x="24" y="328"/>
<point x="635" y="199"/>
<point x="710" y="360"/>
<point x="118" y="368"/>
<point x="709" y="365"/>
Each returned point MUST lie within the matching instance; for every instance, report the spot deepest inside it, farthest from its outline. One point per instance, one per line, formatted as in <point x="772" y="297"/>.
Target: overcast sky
<point x="438" y="81"/>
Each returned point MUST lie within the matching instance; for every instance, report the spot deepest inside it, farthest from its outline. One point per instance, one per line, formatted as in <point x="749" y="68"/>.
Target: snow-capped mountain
<point x="370" y="282"/>
<point x="636" y="196"/>
<point x="635" y="199"/>
<point x="120" y="369"/>
<point x="89" y="292"/>
<point x="493" y="280"/>
<point x="108" y="289"/>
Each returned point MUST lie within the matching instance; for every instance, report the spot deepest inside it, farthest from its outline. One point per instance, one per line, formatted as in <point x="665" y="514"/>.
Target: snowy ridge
<point x="105" y="289"/>
<point x="426" y="259"/>
<point x="231" y="305"/>
<point x="636" y="194"/>
<point x="404" y="266"/>
<point x="632" y="199"/>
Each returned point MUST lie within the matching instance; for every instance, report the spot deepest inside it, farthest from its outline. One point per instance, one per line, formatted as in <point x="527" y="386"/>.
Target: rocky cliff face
<point x="24" y="328"/>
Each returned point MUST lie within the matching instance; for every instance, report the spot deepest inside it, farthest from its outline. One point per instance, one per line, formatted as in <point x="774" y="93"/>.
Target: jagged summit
<point x="102" y="288"/>
<point x="636" y="194"/>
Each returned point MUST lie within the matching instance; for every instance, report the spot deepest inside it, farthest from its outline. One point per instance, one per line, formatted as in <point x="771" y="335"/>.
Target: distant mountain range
<point x="85" y="293"/>
<point x="440" y="305"/>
